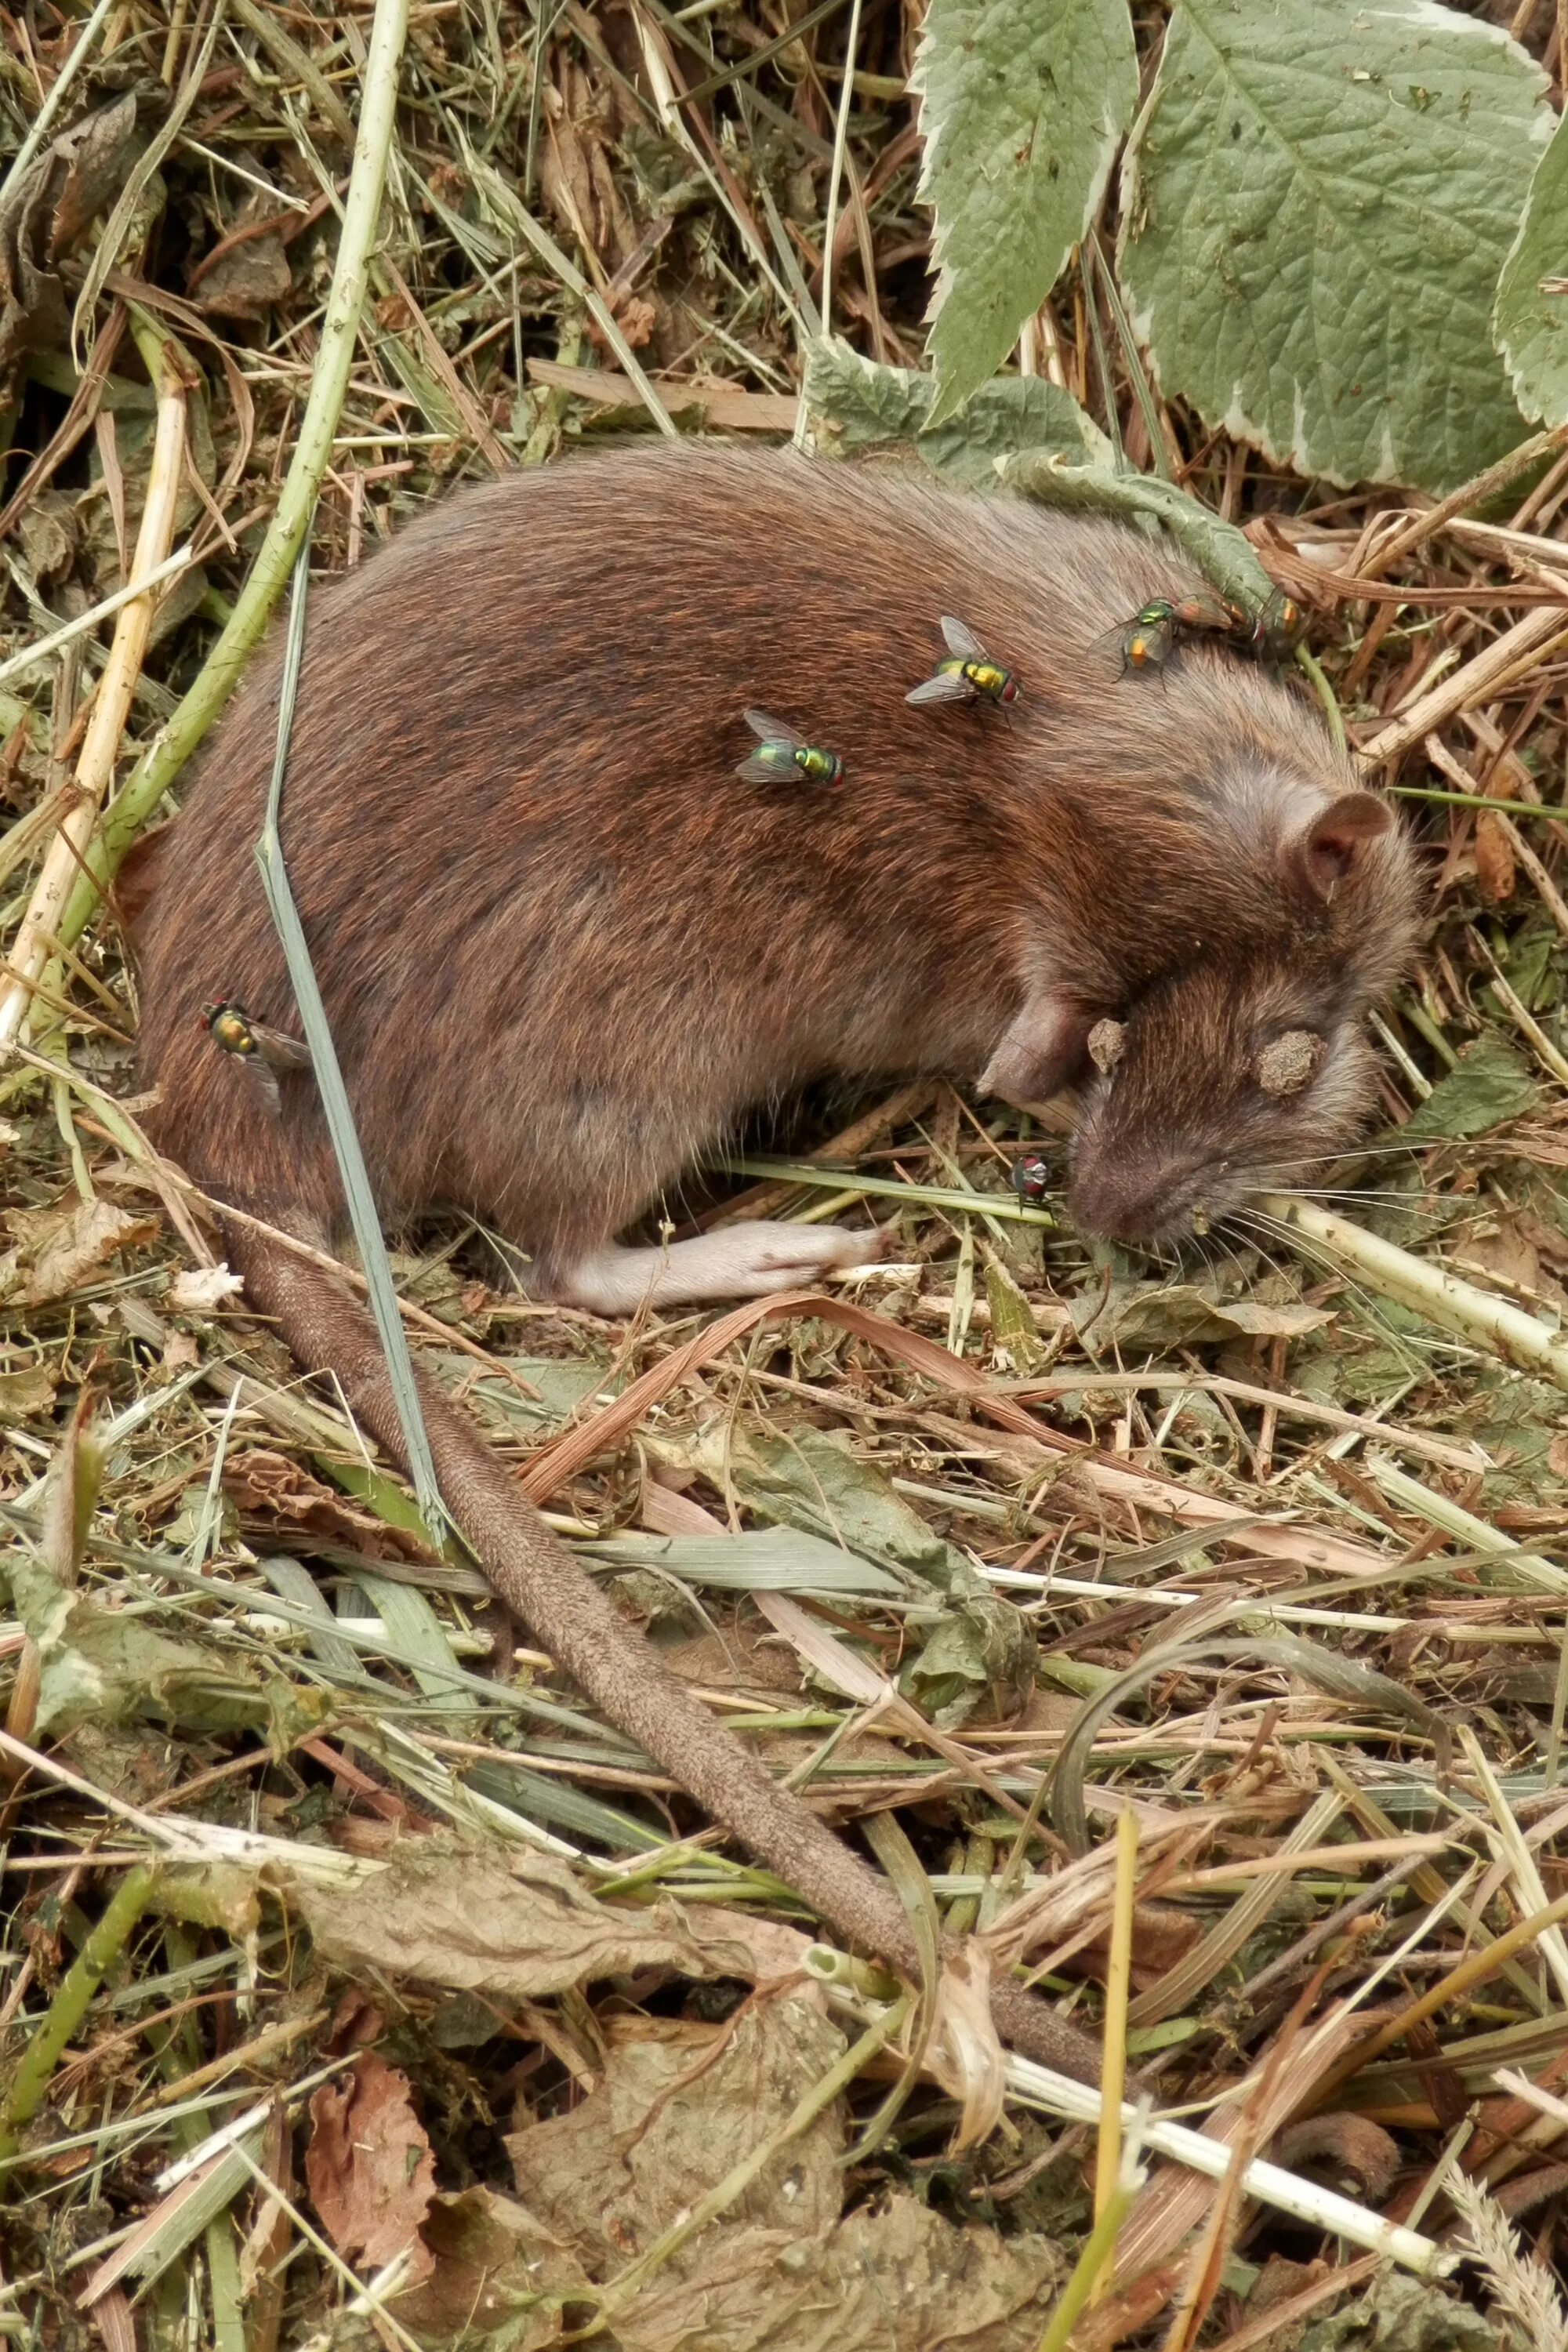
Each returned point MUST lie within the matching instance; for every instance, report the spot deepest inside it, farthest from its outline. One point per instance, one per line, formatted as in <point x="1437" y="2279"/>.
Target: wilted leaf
<point x="857" y="406"/>
<point x="78" y="176"/>
<point x="1317" y="203"/>
<point x="1015" y="1345"/>
<point x="248" y="280"/>
<point x="489" y="2261"/>
<point x="31" y="1391"/>
<point x="1531" y="320"/>
<point x="514" y="1927"/>
<point x="369" y="2166"/>
<point x="1022" y="105"/>
<point x="1182" y="1314"/>
<point x="779" y="2271"/>
<point x="812" y="1481"/>
<point x="75" y="1473"/>
<point x="1495" y="863"/>
<point x="977" y="1659"/>
<point x="561" y="1385"/>
<point x="1397" y="2313"/>
<point x="1519" y="1423"/>
<point x="49" y="531"/>
<point x="1219" y="550"/>
<point x="100" y="1666"/>
<point x="1491" y="1085"/>
<point x="613" y="2172"/>
<point x="56" y="1249"/>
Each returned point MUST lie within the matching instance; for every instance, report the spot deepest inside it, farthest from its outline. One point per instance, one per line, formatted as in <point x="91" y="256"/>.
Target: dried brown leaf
<point x="370" y="2172"/>
<point x="490" y="2261"/>
<point x="514" y="1927"/>
<point x="1496" y="866"/>
<point x="76" y="178"/>
<point x="274" y="1488"/>
<point x="57" y="1248"/>
<point x="27" y="1392"/>
<point x="248" y="280"/>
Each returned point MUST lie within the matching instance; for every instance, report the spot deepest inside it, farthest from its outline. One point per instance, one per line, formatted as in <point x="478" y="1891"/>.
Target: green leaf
<point x="1022" y="105"/>
<point x="856" y="406"/>
<point x="1531" y="320"/>
<point x="1015" y="1345"/>
<point x="1317" y="203"/>
<point x="980" y="1650"/>
<point x="1491" y="1086"/>
<point x="758" y="1559"/>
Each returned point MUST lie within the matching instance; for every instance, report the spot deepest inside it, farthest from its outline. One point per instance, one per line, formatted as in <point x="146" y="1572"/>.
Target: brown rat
<point x="563" y="950"/>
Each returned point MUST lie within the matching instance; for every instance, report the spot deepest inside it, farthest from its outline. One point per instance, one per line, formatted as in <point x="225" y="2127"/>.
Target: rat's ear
<point x="141" y="872"/>
<point x="1041" y="1050"/>
<point x="1325" y="850"/>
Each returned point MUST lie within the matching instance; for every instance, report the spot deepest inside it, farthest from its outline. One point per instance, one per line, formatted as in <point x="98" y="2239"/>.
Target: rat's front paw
<point x="781" y="1257"/>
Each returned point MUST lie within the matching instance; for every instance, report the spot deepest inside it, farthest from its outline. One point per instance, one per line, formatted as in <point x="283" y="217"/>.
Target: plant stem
<point x="938" y="1196"/>
<point x="1476" y="800"/>
<point x="1520" y="1339"/>
<point x="352" y="1170"/>
<point x="69" y="2004"/>
<point x="840" y="143"/>
<point x="1308" y="662"/>
<point x="57" y="640"/>
<point x="286" y="534"/>
<point x="1095" y="2262"/>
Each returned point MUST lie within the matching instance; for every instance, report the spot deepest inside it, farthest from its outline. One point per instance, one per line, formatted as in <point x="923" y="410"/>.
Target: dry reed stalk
<point x="1471" y="682"/>
<point x="1118" y="1982"/>
<point x="1489" y="1323"/>
<point x="36" y="940"/>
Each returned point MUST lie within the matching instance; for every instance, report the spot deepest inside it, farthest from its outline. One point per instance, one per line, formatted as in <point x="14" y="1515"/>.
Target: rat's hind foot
<point x="738" y="1262"/>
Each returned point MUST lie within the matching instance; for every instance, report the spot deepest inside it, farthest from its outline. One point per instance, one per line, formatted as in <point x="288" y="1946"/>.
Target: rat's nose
<point x="1126" y="1203"/>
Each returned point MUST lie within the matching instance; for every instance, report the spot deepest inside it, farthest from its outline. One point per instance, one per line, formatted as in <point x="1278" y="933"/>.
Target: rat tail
<point x="542" y="1584"/>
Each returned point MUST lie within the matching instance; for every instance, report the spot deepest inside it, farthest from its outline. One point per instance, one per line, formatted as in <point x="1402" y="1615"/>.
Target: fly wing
<point x="946" y="687"/>
<point x="758" y="770"/>
<point x="278" y="1050"/>
<point x="962" y="640"/>
<point x="268" y="1081"/>
<point x="770" y="730"/>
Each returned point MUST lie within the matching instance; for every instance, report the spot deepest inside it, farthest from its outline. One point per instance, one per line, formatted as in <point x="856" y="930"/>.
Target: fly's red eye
<point x="1010" y="691"/>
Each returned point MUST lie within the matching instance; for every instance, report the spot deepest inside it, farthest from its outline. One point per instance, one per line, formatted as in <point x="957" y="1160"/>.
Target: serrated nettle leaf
<point x="1531" y="320"/>
<point x="1022" y="105"/>
<point x="1317" y="203"/>
<point x="856" y="406"/>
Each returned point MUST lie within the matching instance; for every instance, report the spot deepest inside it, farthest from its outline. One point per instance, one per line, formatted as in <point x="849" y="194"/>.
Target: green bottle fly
<point x="966" y="672"/>
<point x="781" y="752"/>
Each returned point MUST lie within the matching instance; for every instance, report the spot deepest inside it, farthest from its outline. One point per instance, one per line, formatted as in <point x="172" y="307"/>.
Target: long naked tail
<point x="542" y="1585"/>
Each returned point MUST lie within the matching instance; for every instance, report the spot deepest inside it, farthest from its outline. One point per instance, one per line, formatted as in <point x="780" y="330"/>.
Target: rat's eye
<point x="1106" y="1041"/>
<point x="1291" y="1062"/>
